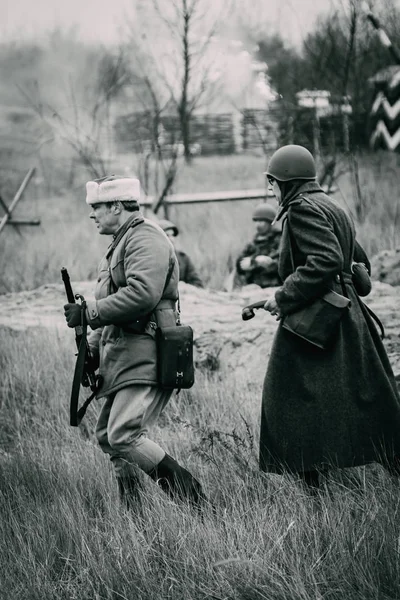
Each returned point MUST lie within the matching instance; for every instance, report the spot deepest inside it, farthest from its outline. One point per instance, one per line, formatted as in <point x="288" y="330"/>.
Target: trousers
<point x="123" y="424"/>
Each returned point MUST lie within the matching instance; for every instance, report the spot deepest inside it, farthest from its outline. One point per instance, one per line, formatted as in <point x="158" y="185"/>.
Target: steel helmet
<point x="264" y="212"/>
<point x="291" y="162"/>
<point x="165" y="224"/>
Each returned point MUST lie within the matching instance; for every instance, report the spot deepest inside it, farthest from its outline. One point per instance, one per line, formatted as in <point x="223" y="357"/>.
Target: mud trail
<point x="222" y="340"/>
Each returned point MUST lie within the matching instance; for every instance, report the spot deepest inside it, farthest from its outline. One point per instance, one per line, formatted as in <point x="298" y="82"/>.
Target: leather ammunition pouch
<point x="175" y="357"/>
<point x="318" y="322"/>
<point x="175" y="369"/>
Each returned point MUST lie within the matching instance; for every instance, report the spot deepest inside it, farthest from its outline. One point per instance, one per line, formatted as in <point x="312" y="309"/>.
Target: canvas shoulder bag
<point x="175" y="367"/>
<point x="317" y="322"/>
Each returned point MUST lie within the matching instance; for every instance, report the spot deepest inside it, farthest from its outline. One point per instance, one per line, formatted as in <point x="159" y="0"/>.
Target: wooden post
<point x="6" y="209"/>
<point x="16" y="199"/>
<point x="316" y="134"/>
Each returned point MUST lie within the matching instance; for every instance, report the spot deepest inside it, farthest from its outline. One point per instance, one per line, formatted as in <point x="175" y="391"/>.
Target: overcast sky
<point x="102" y="19"/>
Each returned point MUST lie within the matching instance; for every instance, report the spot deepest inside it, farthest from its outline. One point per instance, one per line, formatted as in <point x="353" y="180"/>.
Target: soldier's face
<point x="274" y="187"/>
<point x="262" y="226"/>
<point x="103" y="214"/>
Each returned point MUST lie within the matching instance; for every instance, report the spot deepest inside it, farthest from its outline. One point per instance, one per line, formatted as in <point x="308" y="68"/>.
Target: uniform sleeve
<point x="146" y="262"/>
<point x="192" y="276"/>
<point x="316" y="241"/>
<point x="271" y="249"/>
<point x="248" y="251"/>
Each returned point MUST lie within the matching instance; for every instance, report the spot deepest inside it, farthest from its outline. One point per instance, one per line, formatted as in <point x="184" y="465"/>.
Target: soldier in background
<point x="187" y="270"/>
<point x="258" y="263"/>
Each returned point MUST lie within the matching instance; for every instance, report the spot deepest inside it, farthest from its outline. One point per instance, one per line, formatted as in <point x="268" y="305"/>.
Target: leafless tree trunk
<point x="187" y="15"/>
<point x="164" y="156"/>
<point x="183" y="105"/>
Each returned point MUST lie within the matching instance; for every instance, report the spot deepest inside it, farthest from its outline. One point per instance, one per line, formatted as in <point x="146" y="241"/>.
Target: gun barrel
<point x="67" y="284"/>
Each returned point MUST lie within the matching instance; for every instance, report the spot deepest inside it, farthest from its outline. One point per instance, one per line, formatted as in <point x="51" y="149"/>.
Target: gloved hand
<point x="73" y="314"/>
<point x="245" y="263"/>
<point x="263" y="260"/>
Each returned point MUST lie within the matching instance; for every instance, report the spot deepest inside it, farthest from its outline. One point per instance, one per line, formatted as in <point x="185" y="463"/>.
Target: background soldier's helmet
<point x="264" y="212"/>
<point x="165" y="225"/>
<point x="291" y="162"/>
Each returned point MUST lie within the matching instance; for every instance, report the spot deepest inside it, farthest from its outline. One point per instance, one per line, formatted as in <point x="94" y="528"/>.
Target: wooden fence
<point x="257" y="194"/>
<point x="210" y="134"/>
<point x="224" y="196"/>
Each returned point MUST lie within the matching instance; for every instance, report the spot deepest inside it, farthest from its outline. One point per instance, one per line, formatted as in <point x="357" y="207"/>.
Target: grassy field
<point x="213" y="235"/>
<point x="65" y="536"/>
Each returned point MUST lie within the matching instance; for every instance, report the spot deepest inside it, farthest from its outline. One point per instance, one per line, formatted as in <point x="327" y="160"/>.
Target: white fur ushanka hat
<point x="124" y="189"/>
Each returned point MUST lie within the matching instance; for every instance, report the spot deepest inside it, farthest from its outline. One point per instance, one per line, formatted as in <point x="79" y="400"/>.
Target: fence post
<point x="16" y="199"/>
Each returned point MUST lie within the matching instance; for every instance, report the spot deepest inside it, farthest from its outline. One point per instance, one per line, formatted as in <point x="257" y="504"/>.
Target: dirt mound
<point x="385" y="266"/>
<point x="222" y="340"/>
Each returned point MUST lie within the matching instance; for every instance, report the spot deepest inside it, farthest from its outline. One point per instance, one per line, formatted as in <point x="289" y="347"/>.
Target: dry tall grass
<point x="65" y="536"/>
<point x="213" y="235"/>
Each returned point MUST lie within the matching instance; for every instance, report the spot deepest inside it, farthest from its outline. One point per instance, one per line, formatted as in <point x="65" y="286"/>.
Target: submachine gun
<point x="85" y="371"/>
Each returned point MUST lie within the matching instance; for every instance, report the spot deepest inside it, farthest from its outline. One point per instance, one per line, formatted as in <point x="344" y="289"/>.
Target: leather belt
<point x="347" y="278"/>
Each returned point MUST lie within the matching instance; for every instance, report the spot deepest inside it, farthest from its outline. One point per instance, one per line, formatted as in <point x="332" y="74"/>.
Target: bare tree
<point x="159" y="156"/>
<point x="177" y="54"/>
<point x="83" y="120"/>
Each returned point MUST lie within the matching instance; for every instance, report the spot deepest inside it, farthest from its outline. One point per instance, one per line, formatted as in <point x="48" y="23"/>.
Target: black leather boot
<point x="177" y="482"/>
<point x="129" y="492"/>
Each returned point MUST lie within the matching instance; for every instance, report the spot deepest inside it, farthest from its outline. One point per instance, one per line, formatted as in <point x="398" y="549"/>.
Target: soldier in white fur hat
<point x="137" y="289"/>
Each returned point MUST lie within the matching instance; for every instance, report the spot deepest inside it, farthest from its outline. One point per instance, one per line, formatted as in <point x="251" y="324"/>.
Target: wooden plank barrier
<point x="7" y="218"/>
<point x="227" y="196"/>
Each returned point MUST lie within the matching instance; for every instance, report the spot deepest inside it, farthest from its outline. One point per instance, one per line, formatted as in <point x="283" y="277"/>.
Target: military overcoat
<point x="133" y="294"/>
<point x="338" y="406"/>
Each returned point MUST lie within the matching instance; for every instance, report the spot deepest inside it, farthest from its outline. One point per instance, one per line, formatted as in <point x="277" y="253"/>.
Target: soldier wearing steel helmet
<point x="338" y="406"/>
<point x="258" y="263"/>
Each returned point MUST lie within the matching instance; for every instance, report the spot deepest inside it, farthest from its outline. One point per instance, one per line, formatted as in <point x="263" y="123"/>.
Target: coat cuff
<point x="289" y="298"/>
<point x="92" y="314"/>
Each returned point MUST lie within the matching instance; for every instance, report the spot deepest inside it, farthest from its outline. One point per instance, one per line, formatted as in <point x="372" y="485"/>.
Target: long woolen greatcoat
<point x="338" y="406"/>
<point x="124" y="347"/>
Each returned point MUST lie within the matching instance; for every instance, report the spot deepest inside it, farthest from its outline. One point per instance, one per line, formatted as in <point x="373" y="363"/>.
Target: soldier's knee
<point x="120" y="438"/>
<point x="101" y="436"/>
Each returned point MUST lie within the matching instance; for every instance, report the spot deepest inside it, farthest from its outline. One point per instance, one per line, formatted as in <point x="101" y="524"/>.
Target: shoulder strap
<point x="170" y="271"/>
<point x="369" y="310"/>
<point x="128" y="225"/>
<point x="167" y="280"/>
<point x="375" y="318"/>
<point x="75" y="415"/>
<point x="292" y="259"/>
<point x="290" y="235"/>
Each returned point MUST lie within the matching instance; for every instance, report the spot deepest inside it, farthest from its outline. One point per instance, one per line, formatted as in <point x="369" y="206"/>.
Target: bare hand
<point x="263" y="261"/>
<point x="245" y="263"/>
<point x="272" y="307"/>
